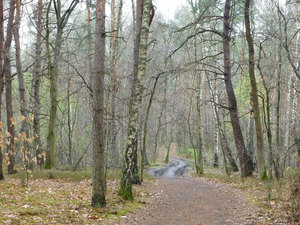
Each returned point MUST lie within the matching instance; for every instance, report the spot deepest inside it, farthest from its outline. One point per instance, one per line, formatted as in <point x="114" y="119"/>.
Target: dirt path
<point x="186" y="200"/>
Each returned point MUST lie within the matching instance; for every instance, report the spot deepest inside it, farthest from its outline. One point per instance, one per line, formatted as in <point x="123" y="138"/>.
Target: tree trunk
<point x="223" y="139"/>
<point x="36" y="86"/>
<point x="254" y="95"/>
<point x="1" y="82"/>
<point x="22" y="95"/>
<point x="99" y="175"/>
<point x="8" y="94"/>
<point x="116" y="27"/>
<point x="143" y="155"/>
<point x="199" y="161"/>
<point x="235" y="121"/>
<point x="126" y="182"/>
<point x="53" y="73"/>
<point x="278" y="104"/>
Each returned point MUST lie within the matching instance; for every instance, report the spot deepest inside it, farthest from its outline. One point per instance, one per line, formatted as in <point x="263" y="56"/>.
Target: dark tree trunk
<point x="1" y="81"/>
<point x="254" y="96"/>
<point x="235" y="121"/>
<point x="8" y="94"/>
<point x="99" y="177"/>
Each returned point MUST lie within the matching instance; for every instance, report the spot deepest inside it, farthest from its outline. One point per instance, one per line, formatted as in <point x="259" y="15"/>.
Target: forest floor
<point x="54" y="197"/>
<point x="214" y="199"/>
<point x="64" y="198"/>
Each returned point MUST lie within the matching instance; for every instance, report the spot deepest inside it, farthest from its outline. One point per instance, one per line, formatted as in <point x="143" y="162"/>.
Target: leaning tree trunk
<point x="99" y="177"/>
<point x="235" y="121"/>
<point x="143" y="155"/>
<point x="223" y="139"/>
<point x="126" y="182"/>
<point x="254" y="94"/>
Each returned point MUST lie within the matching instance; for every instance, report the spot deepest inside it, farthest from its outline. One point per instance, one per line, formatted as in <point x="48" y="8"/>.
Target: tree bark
<point x="99" y="175"/>
<point x="254" y="95"/>
<point x="1" y="83"/>
<point x="235" y="121"/>
<point x="116" y="27"/>
<point x="22" y="94"/>
<point x="199" y="158"/>
<point x="126" y="182"/>
<point x="8" y="94"/>
<point x="36" y="86"/>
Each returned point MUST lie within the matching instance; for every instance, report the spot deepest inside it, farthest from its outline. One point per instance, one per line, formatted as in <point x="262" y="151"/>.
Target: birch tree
<point x="127" y="178"/>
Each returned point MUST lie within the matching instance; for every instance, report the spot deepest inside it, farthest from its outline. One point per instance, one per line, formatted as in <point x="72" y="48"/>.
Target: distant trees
<point x="211" y="84"/>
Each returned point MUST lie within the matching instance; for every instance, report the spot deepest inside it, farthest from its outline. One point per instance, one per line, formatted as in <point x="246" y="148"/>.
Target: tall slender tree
<point x="53" y="64"/>
<point x="99" y="177"/>
<point x="235" y="121"/>
<point x="1" y="83"/>
<point x="36" y="84"/>
<point x="8" y="94"/>
<point x="254" y="95"/>
<point x="116" y="28"/>
<point x="127" y="178"/>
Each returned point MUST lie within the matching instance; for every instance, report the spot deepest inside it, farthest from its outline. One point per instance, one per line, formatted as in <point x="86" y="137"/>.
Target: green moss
<point x="264" y="175"/>
<point x="32" y="212"/>
<point x="47" y="166"/>
<point x="98" y="201"/>
<point x="126" y="192"/>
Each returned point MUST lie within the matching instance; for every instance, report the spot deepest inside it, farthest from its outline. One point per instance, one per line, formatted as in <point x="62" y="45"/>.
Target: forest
<point x="112" y="112"/>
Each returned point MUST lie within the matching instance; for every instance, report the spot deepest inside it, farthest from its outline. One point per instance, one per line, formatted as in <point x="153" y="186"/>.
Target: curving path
<point x="176" y="168"/>
<point x="190" y="201"/>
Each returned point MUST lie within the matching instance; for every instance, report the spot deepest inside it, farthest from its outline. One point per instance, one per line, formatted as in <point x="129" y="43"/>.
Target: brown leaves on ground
<point x="274" y="200"/>
<point x="54" y="201"/>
